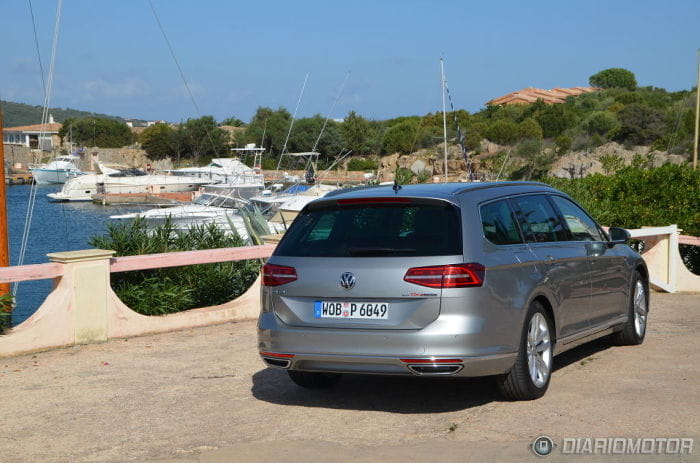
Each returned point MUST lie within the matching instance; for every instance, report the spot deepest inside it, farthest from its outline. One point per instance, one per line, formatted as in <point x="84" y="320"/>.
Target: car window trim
<point x="512" y="211"/>
<point x="561" y="215"/>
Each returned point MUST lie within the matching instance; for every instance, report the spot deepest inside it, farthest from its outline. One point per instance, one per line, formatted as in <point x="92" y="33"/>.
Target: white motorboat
<point x="205" y="210"/>
<point x="293" y="198"/>
<point x="61" y="169"/>
<point x="113" y="181"/>
<point x="230" y="171"/>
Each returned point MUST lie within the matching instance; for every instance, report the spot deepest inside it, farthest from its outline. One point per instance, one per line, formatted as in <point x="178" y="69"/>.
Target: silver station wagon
<point x="446" y="279"/>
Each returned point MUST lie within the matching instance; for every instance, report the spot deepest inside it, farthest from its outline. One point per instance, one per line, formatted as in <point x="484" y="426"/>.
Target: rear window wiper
<point x="367" y="251"/>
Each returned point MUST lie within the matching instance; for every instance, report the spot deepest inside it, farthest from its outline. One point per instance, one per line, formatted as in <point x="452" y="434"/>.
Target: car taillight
<point x="447" y="276"/>
<point x="275" y="275"/>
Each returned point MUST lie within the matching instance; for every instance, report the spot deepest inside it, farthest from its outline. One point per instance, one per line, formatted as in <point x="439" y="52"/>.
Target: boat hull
<point x="53" y="176"/>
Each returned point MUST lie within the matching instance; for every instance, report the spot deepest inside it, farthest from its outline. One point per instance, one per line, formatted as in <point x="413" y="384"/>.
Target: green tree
<point x="233" y="121"/>
<point x="97" y="131"/>
<point x="614" y="78"/>
<point x="529" y="129"/>
<point x="600" y="123"/>
<point x="273" y="124"/>
<point x="203" y="138"/>
<point x="502" y="131"/>
<point x="400" y="138"/>
<point x="356" y="134"/>
<point x="555" y="119"/>
<point x="640" y="124"/>
<point x="160" y="141"/>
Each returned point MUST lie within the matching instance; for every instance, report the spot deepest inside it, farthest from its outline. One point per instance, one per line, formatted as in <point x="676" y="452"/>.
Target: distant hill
<point x="16" y="114"/>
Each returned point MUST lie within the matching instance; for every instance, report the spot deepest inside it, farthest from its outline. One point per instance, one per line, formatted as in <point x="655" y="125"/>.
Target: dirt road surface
<point x="204" y="395"/>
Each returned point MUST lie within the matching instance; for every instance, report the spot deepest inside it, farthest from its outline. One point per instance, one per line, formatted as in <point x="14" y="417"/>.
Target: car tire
<point x="529" y="377"/>
<point x="635" y="329"/>
<point x="314" y="380"/>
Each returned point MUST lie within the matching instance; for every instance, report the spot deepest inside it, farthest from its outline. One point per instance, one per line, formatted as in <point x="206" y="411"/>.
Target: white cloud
<point x="127" y="88"/>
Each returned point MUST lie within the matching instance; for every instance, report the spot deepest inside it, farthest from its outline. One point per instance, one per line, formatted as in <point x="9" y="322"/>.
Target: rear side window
<point x="371" y="230"/>
<point x="581" y="226"/>
<point x="499" y="223"/>
<point x="538" y="220"/>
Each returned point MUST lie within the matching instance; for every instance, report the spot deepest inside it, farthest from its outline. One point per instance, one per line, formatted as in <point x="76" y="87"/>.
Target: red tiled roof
<point x="532" y="94"/>
<point x="55" y="127"/>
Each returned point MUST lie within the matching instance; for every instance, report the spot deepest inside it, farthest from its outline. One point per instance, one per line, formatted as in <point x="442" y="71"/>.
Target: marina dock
<point x="18" y="179"/>
<point x="160" y="199"/>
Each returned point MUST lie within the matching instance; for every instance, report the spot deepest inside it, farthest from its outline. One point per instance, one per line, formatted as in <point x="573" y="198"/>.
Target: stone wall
<point x="18" y="158"/>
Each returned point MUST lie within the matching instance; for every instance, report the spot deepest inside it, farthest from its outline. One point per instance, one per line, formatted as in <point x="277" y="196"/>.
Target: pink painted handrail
<point x="30" y="272"/>
<point x="692" y="240"/>
<point x="142" y="262"/>
<point x="179" y="259"/>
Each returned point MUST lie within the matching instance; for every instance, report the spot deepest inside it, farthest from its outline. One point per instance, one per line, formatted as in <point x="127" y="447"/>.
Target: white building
<point x="31" y="136"/>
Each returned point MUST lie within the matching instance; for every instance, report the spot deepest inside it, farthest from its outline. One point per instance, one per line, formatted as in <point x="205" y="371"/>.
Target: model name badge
<point x="419" y="295"/>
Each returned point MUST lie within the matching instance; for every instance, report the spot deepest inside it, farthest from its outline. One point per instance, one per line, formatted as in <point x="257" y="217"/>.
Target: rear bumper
<point x="430" y="351"/>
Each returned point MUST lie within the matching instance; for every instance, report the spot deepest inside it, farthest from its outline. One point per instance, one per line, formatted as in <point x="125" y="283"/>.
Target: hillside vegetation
<point x="16" y="114"/>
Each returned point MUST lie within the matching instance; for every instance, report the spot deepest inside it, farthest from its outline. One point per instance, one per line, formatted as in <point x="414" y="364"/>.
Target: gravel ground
<point x="203" y="395"/>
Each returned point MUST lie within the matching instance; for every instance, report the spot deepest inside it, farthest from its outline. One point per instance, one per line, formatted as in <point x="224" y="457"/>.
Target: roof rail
<point x="485" y="186"/>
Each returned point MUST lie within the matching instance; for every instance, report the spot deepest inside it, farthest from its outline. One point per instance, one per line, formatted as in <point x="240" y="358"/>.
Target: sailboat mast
<point x="444" y="113"/>
<point x="4" y="248"/>
<point x="697" y="116"/>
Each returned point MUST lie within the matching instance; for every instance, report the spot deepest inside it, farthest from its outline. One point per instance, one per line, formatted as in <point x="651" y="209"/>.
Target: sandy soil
<point x="203" y="395"/>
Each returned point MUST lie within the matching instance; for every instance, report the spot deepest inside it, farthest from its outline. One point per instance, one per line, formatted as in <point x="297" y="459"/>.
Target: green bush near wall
<point x="635" y="197"/>
<point x="168" y="290"/>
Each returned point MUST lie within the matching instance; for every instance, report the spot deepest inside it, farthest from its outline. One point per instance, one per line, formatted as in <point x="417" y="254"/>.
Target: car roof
<point x="445" y="191"/>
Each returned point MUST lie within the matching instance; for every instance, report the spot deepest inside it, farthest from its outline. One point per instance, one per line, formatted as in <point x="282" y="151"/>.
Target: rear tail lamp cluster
<point x="275" y="275"/>
<point x="447" y="276"/>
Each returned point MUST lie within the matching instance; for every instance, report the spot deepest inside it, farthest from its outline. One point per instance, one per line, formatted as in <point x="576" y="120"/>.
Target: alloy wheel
<point x="640" y="309"/>
<point x="539" y="350"/>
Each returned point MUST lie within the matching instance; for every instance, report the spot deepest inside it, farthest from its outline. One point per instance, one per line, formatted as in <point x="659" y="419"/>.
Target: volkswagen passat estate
<point x="446" y="279"/>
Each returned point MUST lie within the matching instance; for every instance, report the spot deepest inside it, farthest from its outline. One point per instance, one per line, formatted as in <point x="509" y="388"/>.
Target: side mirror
<point x="618" y="236"/>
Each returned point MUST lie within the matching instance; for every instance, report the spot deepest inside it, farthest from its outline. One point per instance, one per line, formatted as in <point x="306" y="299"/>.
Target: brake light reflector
<point x="276" y="355"/>
<point x="276" y="275"/>
<point x="447" y="276"/>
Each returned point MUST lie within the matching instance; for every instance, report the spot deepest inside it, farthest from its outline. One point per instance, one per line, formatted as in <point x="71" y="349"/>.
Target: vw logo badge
<point x="347" y="280"/>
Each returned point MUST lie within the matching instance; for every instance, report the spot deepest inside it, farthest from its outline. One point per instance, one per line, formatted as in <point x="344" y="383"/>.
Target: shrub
<point x="167" y="290"/>
<point x="6" y="304"/>
<point x="401" y="138"/>
<point x="403" y="176"/>
<point x="528" y="148"/>
<point x="502" y="132"/>
<point x="530" y="129"/>
<point x="362" y="164"/>
<point x="634" y="197"/>
<point x="600" y="123"/>
<point x="563" y="143"/>
<point x="611" y="163"/>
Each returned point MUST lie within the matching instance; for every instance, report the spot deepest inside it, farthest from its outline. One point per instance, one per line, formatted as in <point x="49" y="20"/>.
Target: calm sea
<point x="54" y="227"/>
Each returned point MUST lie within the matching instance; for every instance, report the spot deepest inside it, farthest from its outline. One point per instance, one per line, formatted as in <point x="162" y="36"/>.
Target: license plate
<point x="361" y="310"/>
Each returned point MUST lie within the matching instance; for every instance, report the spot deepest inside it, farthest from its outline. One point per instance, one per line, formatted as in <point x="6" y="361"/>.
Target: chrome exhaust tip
<point x="435" y="369"/>
<point x="277" y="362"/>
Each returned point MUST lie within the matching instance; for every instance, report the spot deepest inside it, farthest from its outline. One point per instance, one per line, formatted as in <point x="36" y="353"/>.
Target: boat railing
<point x="82" y="307"/>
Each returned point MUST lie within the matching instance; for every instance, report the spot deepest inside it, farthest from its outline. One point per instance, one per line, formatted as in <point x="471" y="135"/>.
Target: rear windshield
<point x="371" y="230"/>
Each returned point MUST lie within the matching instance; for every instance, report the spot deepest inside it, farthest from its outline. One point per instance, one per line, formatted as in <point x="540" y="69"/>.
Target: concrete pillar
<point x="87" y="274"/>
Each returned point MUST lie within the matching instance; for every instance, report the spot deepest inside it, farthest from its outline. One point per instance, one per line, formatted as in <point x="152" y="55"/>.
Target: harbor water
<point x="54" y="227"/>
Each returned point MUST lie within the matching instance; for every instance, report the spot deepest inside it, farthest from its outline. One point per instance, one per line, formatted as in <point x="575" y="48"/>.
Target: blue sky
<point x="241" y="55"/>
